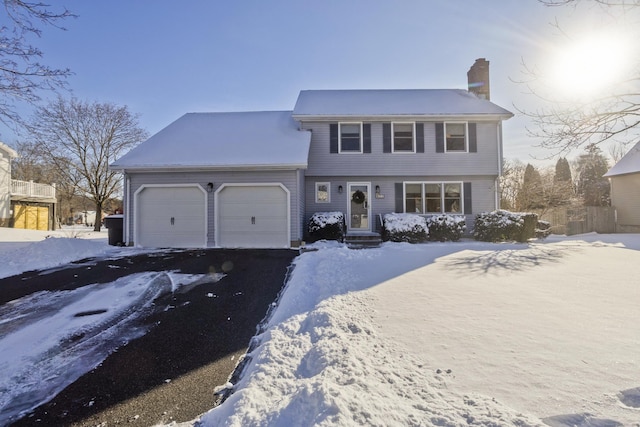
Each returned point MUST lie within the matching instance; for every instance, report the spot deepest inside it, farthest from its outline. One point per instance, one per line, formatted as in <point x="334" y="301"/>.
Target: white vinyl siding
<point x="625" y="197"/>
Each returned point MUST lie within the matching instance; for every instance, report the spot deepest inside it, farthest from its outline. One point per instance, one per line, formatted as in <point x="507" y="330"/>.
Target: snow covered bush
<point x="503" y="225"/>
<point x="444" y="228"/>
<point x="543" y="229"/>
<point x="326" y="226"/>
<point x="401" y="227"/>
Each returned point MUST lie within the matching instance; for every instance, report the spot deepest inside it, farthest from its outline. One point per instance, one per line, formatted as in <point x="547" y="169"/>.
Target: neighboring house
<point x="253" y="179"/>
<point x="24" y="204"/>
<point x="624" y="177"/>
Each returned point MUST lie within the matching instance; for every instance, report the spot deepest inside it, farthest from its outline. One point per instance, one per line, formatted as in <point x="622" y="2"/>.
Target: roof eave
<point x="392" y="117"/>
<point x="206" y="168"/>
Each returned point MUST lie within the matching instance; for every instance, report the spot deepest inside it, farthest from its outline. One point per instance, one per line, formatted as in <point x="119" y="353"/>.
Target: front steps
<point x="362" y="240"/>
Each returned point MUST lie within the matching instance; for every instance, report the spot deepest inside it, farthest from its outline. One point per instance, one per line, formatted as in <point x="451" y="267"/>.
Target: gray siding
<point x="484" y="162"/>
<point x="483" y="193"/>
<point x="290" y="179"/>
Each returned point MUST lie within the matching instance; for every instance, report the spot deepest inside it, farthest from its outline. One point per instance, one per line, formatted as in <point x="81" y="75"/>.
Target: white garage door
<point x="252" y="217"/>
<point x="171" y="217"/>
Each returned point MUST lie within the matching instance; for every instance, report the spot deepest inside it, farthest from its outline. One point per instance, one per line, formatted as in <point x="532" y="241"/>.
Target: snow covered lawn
<point x="451" y="334"/>
<point x="443" y="334"/>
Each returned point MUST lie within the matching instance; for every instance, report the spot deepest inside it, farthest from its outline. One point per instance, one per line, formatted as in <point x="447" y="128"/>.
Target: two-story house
<point x="24" y="204"/>
<point x="253" y="179"/>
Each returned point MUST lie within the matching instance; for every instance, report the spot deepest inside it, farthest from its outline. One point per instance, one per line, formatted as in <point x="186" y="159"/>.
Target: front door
<point x="359" y="207"/>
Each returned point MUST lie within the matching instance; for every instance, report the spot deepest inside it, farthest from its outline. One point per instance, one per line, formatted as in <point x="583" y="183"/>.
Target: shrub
<point x="444" y="228"/>
<point x="326" y="226"/>
<point x="503" y="225"/>
<point x="543" y="229"/>
<point x="404" y="228"/>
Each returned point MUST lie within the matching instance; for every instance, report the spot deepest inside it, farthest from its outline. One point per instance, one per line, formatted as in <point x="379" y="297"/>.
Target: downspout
<point x="127" y="210"/>
<point x="497" y="184"/>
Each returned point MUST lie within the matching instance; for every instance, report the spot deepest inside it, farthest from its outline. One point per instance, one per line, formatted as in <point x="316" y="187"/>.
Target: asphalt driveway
<point x="169" y="374"/>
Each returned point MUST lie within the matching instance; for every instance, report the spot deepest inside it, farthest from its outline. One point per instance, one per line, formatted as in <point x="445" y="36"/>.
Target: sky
<point x="163" y="59"/>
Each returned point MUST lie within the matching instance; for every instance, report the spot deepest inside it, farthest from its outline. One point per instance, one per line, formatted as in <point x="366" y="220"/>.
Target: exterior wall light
<point x="210" y="187"/>
<point x="340" y="189"/>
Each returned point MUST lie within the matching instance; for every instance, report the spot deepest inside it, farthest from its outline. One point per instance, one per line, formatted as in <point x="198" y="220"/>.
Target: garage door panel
<point x="253" y="217"/>
<point x="171" y="217"/>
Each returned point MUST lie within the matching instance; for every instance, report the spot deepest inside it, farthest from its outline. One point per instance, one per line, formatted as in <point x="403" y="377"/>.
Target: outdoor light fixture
<point x="210" y="187"/>
<point x="340" y="189"/>
<point x="377" y="189"/>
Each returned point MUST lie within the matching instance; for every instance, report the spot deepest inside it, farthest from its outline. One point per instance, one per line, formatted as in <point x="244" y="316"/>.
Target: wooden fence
<point x="578" y="220"/>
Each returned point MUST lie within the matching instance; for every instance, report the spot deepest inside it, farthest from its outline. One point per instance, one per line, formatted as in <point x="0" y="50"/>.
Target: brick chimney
<point x="478" y="78"/>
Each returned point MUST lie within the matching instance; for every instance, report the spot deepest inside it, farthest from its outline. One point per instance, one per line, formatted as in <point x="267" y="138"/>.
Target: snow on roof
<point x="10" y="151"/>
<point x="241" y="139"/>
<point x="394" y="102"/>
<point x="630" y="163"/>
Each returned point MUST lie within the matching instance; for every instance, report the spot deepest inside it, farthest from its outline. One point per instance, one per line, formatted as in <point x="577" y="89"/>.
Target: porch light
<point x="340" y="189"/>
<point x="377" y="189"/>
<point x="210" y="187"/>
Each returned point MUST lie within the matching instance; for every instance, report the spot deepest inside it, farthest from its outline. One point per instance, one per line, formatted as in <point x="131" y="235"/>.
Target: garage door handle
<point x="253" y="220"/>
<point x="173" y="221"/>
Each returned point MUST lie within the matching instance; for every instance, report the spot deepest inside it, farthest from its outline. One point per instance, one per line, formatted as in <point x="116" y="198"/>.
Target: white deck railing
<point x="32" y="189"/>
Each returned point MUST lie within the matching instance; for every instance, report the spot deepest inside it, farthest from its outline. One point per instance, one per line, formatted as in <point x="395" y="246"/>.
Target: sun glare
<point x="587" y="67"/>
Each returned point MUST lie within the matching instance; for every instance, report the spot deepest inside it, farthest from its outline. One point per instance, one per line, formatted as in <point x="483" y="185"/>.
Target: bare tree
<point x="562" y="124"/>
<point x="81" y="139"/>
<point x="22" y="76"/>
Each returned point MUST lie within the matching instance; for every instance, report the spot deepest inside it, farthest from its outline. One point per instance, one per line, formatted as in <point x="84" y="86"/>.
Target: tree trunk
<point x="98" y="221"/>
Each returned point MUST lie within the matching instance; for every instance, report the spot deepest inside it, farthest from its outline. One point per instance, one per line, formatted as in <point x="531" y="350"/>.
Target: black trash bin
<point x="114" y="224"/>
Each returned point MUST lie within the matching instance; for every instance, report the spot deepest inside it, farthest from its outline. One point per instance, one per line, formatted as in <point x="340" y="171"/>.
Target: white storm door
<point x="359" y="215"/>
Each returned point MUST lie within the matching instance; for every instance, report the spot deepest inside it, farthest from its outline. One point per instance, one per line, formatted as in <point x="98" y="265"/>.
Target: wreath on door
<point x="358" y="197"/>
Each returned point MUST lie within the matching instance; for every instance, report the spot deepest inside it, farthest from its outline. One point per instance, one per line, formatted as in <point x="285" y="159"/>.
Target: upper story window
<point x="456" y="137"/>
<point x="350" y="137"/>
<point x="403" y="137"/>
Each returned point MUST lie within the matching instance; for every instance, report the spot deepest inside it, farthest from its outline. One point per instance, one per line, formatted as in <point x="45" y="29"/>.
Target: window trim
<point x="466" y="136"/>
<point x="442" y="197"/>
<point x="413" y="138"/>
<point x="317" y="185"/>
<point x="340" y="151"/>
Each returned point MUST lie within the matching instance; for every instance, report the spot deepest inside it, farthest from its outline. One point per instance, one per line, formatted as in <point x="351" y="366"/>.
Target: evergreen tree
<point x="562" y="190"/>
<point x="531" y="194"/>
<point x="592" y="187"/>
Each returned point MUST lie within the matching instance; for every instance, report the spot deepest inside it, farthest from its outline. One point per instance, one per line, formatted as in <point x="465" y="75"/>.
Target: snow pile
<point x="323" y="362"/>
<point x="50" y="252"/>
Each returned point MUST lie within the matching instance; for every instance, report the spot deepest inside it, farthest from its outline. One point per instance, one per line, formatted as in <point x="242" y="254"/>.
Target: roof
<point x="10" y="151"/>
<point x="394" y="102"/>
<point x="264" y="139"/>
<point x="630" y="163"/>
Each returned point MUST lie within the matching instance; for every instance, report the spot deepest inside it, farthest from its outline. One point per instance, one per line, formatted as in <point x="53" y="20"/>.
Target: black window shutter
<point x="419" y="137"/>
<point x="468" y="209"/>
<point x="333" y="138"/>
<point x="386" y="137"/>
<point x="399" y="197"/>
<point x="473" y="139"/>
<point x="366" y="137"/>
<point x="439" y="137"/>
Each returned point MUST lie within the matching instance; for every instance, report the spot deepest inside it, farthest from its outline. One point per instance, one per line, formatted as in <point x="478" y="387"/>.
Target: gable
<point x="630" y="163"/>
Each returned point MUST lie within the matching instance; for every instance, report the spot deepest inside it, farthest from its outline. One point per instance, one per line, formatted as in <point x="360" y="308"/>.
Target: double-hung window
<point x="433" y="197"/>
<point x="404" y="137"/>
<point x="350" y="137"/>
<point x="456" y="139"/>
<point x="323" y="192"/>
